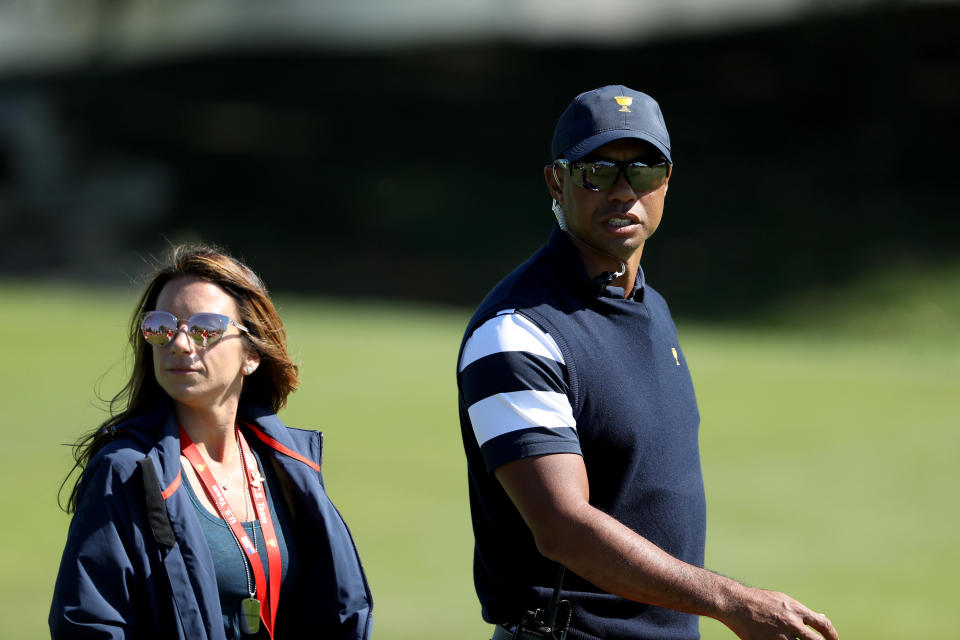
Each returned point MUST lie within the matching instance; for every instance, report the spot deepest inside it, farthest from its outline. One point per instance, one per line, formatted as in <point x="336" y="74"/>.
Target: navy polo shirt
<point x="554" y="363"/>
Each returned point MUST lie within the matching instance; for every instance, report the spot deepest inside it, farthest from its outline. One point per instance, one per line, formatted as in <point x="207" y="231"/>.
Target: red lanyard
<point x="268" y="603"/>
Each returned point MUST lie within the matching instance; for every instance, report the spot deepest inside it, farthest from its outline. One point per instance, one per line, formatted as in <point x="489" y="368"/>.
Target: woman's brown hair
<point x="271" y="383"/>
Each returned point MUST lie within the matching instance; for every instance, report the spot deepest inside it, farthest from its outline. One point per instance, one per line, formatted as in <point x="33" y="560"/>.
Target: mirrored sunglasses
<point x="601" y="175"/>
<point x="205" y="329"/>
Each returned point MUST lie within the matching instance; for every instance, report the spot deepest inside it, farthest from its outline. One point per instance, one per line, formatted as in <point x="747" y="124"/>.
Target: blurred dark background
<point x="808" y="152"/>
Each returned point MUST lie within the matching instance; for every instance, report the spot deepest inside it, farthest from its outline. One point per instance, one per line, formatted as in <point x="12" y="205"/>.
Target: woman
<point x="198" y="513"/>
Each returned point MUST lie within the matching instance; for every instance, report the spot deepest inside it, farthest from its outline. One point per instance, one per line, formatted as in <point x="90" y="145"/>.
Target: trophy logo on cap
<point x="624" y="102"/>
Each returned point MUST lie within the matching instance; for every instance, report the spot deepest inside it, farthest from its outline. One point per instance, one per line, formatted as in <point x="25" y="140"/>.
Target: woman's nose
<point x="181" y="341"/>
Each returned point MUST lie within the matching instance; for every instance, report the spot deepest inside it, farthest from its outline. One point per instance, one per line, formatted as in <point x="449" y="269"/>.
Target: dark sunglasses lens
<point x="646" y="178"/>
<point x="596" y="176"/>
<point x="158" y="327"/>
<point x="206" y="328"/>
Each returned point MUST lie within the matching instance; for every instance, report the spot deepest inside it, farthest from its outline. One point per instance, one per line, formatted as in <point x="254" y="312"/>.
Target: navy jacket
<point x="137" y="565"/>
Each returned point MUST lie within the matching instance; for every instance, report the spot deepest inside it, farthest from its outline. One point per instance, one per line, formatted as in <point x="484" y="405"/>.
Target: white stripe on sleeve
<point x="509" y="331"/>
<point x="518" y="410"/>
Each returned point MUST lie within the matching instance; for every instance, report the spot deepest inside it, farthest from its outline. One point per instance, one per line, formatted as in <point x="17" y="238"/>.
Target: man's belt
<point x="539" y="624"/>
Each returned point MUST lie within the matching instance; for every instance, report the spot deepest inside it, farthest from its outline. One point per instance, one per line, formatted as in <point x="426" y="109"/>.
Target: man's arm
<point x="552" y="494"/>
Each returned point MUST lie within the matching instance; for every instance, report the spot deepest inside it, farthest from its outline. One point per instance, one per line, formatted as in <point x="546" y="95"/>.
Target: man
<point x="579" y="419"/>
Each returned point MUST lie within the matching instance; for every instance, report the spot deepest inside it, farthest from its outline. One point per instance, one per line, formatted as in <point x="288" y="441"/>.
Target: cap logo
<point x="624" y="102"/>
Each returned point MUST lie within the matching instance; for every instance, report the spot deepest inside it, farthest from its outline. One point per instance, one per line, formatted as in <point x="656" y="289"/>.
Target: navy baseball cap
<point x="609" y="113"/>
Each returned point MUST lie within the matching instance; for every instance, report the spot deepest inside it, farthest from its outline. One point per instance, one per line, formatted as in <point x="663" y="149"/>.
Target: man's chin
<point x="625" y="249"/>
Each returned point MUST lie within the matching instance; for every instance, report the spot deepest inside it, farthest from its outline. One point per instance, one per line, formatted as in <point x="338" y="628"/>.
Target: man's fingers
<point x="808" y="634"/>
<point x="822" y="624"/>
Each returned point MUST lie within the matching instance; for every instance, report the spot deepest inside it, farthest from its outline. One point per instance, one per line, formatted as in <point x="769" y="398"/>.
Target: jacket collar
<point x="158" y="429"/>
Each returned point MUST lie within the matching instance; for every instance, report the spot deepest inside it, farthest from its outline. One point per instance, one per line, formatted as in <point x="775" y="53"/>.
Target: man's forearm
<point x="611" y="556"/>
<point x="616" y="559"/>
<point x="552" y="495"/>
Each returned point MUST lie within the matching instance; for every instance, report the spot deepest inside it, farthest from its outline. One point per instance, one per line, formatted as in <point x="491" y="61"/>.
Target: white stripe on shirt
<point x="508" y="331"/>
<point x="519" y="410"/>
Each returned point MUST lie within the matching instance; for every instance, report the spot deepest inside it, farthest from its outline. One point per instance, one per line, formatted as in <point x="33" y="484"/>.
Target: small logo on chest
<point x="675" y="355"/>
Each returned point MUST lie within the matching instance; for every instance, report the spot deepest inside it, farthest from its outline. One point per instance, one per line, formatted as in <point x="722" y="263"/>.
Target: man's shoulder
<point x="653" y="298"/>
<point x="523" y="287"/>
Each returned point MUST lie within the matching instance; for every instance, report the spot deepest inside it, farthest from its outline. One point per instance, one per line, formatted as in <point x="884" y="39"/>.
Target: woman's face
<point x="201" y="378"/>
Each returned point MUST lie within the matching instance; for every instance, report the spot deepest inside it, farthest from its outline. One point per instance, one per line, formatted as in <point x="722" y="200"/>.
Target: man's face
<point x="617" y="221"/>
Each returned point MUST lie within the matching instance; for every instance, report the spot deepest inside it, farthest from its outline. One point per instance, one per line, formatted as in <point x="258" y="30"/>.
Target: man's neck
<point x="597" y="263"/>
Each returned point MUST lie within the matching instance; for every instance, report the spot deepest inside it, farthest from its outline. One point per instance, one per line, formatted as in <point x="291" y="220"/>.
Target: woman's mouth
<point x="182" y="370"/>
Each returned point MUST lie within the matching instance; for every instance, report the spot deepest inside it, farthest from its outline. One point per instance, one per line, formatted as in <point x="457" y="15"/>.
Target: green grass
<point x="831" y="470"/>
<point x="831" y="458"/>
<point x="903" y="302"/>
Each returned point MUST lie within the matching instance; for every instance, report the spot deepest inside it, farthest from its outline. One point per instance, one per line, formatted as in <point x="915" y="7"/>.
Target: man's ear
<point x="553" y="176"/>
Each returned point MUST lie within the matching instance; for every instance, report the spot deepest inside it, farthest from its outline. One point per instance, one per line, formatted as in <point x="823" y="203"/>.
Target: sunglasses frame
<point x="199" y="340"/>
<point x="580" y="180"/>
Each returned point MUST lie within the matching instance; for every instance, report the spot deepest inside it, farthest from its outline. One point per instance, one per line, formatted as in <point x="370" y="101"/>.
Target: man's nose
<point x="622" y="190"/>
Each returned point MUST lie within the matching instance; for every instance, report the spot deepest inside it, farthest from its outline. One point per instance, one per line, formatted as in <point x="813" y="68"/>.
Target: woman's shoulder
<point x="305" y="445"/>
<point x="129" y="441"/>
<point x="119" y="457"/>
<point x="271" y="425"/>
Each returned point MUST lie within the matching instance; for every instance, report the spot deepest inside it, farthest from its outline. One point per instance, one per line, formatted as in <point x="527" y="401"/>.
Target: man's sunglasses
<point x="205" y="329"/>
<point x="601" y="175"/>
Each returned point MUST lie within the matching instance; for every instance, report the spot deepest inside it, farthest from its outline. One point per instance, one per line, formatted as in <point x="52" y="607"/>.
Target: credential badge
<point x="624" y="102"/>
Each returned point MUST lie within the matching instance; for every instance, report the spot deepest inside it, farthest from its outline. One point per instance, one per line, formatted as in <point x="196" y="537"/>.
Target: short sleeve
<point x="514" y="385"/>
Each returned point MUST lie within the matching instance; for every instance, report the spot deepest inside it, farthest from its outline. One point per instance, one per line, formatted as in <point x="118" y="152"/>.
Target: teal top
<point x="229" y="561"/>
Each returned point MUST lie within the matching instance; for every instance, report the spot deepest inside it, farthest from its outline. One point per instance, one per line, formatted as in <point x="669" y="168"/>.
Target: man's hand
<point x="756" y="614"/>
<point x="553" y="496"/>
